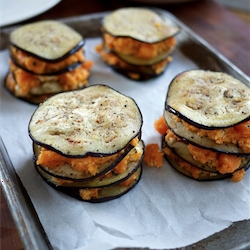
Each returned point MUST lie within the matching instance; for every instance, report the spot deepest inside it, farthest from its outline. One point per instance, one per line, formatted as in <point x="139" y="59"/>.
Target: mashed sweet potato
<point x="41" y="67"/>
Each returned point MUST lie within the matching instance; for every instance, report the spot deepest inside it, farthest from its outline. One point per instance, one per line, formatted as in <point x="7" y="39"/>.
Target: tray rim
<point x="31" y="231"/>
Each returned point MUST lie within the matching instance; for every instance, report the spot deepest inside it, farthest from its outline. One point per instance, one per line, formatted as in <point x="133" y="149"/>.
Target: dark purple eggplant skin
<point x="74" y="192"/>
<point x="50" y="147"/>
<point x="72" y="51"/>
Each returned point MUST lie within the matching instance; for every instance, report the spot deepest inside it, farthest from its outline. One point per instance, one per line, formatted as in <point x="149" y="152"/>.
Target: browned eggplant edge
<point x="74" y="192"/>
<point x="72" y="51"/>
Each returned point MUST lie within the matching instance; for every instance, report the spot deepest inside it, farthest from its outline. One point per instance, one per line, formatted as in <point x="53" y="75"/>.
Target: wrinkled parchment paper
<point x="165" y="210"/>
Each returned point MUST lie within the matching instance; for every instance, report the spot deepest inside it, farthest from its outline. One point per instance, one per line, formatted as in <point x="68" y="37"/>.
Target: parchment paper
<point x="165" y="210"/>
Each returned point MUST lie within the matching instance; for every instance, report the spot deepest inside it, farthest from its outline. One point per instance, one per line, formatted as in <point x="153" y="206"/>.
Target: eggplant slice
<point x="103" y="194"/>
<point x="95" y="121"/>
<point x="34" y="40"/>
<point x="139" y="23"/>
<point x="181" y="150"/>
<point x="208" y="100"/>
<point x="201" y="141"/>
<point x="105" y="180"/>
<point x="67" y="173"/>
<point x="192" y="171"/>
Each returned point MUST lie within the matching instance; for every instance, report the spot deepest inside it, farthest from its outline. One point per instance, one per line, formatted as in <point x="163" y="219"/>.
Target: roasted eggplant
<point x="208" y="116"/>
<point x="208" y="100"/>
<point x="119" y="172"/>
<point x="205" y="159"/>
<point x="103" y="194"/>
<point x="46" y="58"/>
<point x="87" y="138"/>
<point x="137" y="42"/>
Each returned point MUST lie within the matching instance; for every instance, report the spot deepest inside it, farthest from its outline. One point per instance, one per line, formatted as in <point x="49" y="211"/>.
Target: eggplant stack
<point x="87" y="143"/>
<point x="46" y="58"/>
<point x="208" y="116"/>
<point x="137" y="42"/>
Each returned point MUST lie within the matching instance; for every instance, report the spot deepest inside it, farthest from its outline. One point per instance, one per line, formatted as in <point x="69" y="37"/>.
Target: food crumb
<point x="161" y="125"/>
<point x="153" y="156"/>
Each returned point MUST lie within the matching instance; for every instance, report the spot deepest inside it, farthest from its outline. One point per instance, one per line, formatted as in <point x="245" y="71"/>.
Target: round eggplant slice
<point x="94" y="121"/>
<point x="66" y="172"/>
<point x="105" y="180"/>
<point x="208" y="100"/>
<point x="143" y="62"/>
<point x="103" y="194"/>
<point x="49" y="40"/>
<point x="201" y="141"/>
<point x="138" y="72"/>
<point x="191" y="171"/>
<point x="139" y="23"/>
<point x="180" y="148"/>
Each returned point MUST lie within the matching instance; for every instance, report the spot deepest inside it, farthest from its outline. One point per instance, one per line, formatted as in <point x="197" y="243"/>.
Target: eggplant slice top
<point x="47" y="40"/>
<point x="208" y="99"/>
<point x="139" y="23"/>
<point x="96" y="120"/>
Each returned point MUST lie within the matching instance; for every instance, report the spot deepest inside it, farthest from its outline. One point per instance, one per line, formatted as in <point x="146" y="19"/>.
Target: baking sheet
<point x="165" y="210"/>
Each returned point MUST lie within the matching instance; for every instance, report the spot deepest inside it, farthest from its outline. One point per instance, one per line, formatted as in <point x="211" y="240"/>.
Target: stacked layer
<point x="137" y="42"/>
<point x="46" y="58"/>
<point x="208" y="115"/>
<point x="87" y="143"/>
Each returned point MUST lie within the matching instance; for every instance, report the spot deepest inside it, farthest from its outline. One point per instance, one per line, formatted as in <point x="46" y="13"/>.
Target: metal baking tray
<point x="31" y="232"/>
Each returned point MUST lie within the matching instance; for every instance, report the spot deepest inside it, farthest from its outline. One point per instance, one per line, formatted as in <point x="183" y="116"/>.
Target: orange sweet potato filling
<point x="153" y="156"/>
<point x="239" y="134"/>
<point x="87" y="164"/>
<point x="161" y="125"/>
<point x="88" y="194"/>
<point x="224" y="163"/>
<point x="69" y="80"/>
<point x="39" y="67"/>
<point x="129" y="46"/>
<point x="111" y="59"/>
<point x="238" y="175"/>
